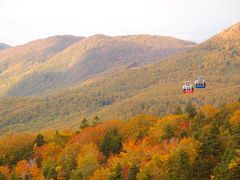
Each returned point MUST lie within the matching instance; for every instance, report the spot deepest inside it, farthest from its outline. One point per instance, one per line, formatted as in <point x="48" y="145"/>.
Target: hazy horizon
<point x="26" y="20"/>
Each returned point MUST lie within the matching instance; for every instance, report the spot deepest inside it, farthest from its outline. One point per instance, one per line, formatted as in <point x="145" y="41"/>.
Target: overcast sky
<point x="25" y="20"/>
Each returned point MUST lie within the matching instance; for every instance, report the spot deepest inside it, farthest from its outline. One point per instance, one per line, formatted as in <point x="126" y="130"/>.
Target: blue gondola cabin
<point x="200" y="83"/>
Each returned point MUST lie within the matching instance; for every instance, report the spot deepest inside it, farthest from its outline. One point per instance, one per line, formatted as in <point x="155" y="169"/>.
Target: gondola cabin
<point x="200" y="83"/>
<point x="187" y="88"/>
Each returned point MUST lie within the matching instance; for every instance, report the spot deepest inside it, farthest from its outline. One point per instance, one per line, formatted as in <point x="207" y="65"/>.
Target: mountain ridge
<point x="95" y="55"/>
<point x="18" y="61"/>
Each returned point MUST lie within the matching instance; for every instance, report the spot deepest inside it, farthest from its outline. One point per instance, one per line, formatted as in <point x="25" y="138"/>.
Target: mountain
<point x="16" y="62"/>
<point x="95" y="55"/>
<point x="4" y="46"/>
<point x="150" y="89"/>
<point x="156" y="89"/>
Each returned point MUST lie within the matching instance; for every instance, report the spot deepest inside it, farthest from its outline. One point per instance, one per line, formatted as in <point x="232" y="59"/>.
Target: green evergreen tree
<point x="134" y="170"/>
<point x="117" y="174"/>
<point x="48" y="170"/>
<point x="178" y="110"/>
<point x="181" y="169"/>
<point x="191" y="110"/>
<point x="111" y="143"/>
<point x="169" y="133"/>
<point x="39" y="141"/>
<point x="222" y="119"/>
<point x="183" y="134"/>
<point x="84" y="124"/>
<point x="221" y="171"/>
<point x="25" y="152"/>
<point x="197" y="124"/>
<point x="58" y="139"/>
<point x="96" y="120"/>
<point x="140" y="136"/>
<point x="68" y="163"/>
<point x="210" y="152"/>
<point x="14" y="176"/>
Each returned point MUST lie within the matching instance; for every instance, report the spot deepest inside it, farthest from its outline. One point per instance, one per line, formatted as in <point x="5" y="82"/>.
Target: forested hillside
<point x="152" y="89"/>
<point x="189" y="144"/>
<point x="17" y="62"/>
<point x="93" y="56"/>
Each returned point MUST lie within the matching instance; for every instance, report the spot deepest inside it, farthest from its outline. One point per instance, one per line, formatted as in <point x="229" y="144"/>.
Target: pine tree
<point x="197" y="124"/>
<point x="117" y="174"/>
<point x="134" y="170"/>
<point x="169" y="132"/>
<point x="39" y="141"/>
<point x="84" y="124"/>
<point x="191" y="110"/>
<point x="57" y="139"/>
<point x="60" y="139"/>
<point x="111" y="143"/>
<point x="96" y="120"/>
<point x="48" y="170"/>
<point x="221" y="171"/>
<point x="181" y="167"/>
<point x="140" y="136"/>
<point x="211" y="147"/>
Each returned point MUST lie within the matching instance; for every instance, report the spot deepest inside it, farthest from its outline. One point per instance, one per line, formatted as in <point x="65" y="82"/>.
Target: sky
<point x="22" y="21"/>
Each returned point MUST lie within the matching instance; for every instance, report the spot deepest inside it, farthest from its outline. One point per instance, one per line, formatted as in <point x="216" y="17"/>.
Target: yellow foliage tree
<point x="235" y="119"/>
<point x="12" y="143"/>
<point x="101" y="174"/>
<point x="188" y="145"/>
<point x="5" y="171"/>
<point x="138" y="127"/>
<point x="50" y="151"/>
<point x="209" y="111"/>
<point x="156" y="168"/>
<point x="232" y="107"/>
<point x="22" y="168"/>
<point x="25" y="168"/>
<point x="89" y="159"/>
<point x="158" y="129"/>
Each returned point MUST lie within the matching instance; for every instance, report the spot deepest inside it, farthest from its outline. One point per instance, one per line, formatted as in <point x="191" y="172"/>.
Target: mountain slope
<point x="154" y="89"/>
<point x="16" y="62"/>
<point x="97" y="55"/>
<point x="217" y="59"/>
<point x="4" y="46"/>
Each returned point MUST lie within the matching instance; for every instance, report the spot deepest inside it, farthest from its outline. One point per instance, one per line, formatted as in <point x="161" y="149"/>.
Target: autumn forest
<point x="188" y="144"/>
